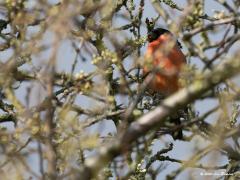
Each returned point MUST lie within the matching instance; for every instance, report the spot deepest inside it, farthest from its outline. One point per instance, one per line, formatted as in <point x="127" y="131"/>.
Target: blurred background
<point x="70" y="69"/>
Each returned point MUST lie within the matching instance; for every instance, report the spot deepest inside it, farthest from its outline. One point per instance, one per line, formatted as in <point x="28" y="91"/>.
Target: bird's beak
<point x="149" y="37"/>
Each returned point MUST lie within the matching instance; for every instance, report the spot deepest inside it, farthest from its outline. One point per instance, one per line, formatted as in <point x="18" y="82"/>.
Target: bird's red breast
<point x="164" y="54"/>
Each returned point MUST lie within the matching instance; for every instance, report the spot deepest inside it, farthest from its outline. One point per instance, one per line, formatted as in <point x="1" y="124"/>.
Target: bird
<point x="165" y="60"/>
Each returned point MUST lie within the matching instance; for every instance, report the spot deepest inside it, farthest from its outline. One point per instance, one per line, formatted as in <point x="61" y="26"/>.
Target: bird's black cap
<point x="155" y="33"/>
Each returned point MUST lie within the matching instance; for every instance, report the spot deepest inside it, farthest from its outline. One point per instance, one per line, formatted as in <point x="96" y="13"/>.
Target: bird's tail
<point x="176" y="120"/>
<point x="177" y="134"/>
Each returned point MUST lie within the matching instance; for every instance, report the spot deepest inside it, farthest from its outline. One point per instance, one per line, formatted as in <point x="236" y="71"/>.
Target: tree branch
<point x="156" y="117"/>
